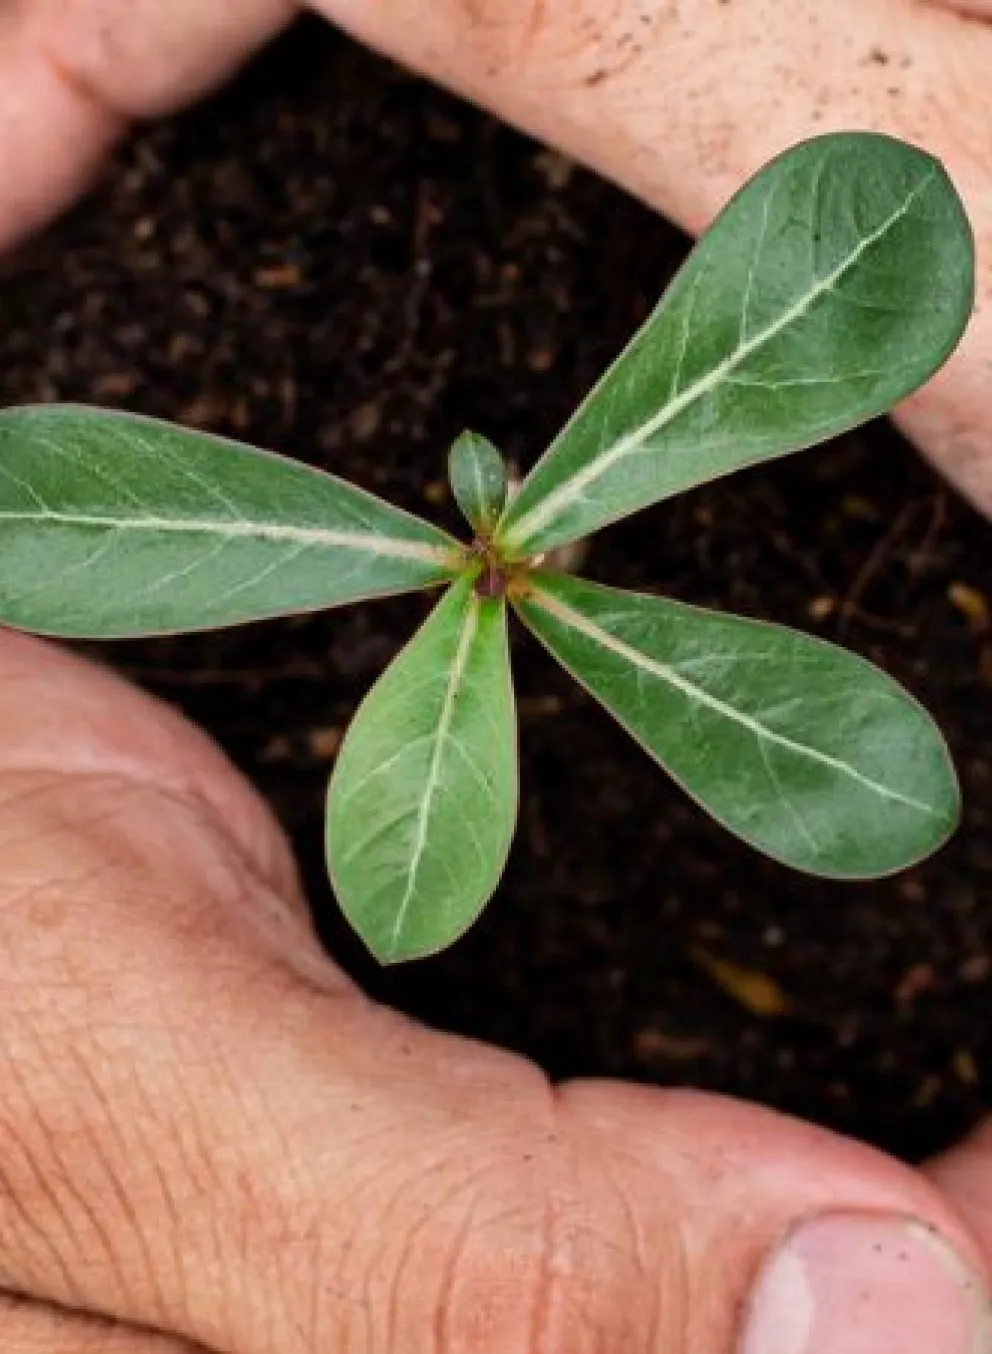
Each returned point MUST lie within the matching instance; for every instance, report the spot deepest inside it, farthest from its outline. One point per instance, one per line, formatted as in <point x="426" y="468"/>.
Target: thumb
<point x="206" y="1131"/>
<point x="965" y="1175"/>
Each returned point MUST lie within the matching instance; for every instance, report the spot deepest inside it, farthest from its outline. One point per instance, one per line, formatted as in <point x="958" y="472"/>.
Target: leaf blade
<point x="797" y="746"/>
<point x="479" y="480"/>
<point x="832" y="285"/>
<point x="423" y="800"/>
<point x="114" y="525"/>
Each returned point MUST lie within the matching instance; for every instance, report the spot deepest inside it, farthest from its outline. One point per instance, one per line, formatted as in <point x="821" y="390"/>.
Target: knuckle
<point x="463" y="1266"/>
<point x="469" y="1257"/>
<point x="432" y="1253"/>
<point x="77" y="850"/>
<point x="490" y="1282"/>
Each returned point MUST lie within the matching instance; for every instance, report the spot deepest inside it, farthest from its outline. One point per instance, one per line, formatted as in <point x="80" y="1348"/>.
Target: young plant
<point x="834" y="284"/>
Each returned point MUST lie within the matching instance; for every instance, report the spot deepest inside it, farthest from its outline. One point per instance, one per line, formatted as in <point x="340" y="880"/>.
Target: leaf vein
<point x="434" y="772"/>
<point x="519" y="533"/>
<point x="667" y="674"/>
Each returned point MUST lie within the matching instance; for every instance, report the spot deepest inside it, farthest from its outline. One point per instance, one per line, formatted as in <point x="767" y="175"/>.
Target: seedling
<point x="835" y="283"/>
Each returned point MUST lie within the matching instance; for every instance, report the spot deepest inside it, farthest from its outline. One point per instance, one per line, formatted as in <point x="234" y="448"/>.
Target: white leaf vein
<point x="521" y="532"/>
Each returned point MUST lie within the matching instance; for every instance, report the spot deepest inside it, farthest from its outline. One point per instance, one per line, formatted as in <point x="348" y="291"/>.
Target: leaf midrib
<point x="576" y="620"/>
<point x="371" y="543"/>
<point x="469" y="629"/>
<point x="519" y="533"/>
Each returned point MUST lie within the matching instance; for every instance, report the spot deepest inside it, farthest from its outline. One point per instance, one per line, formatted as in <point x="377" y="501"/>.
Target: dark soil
<point x="339" y="261"/>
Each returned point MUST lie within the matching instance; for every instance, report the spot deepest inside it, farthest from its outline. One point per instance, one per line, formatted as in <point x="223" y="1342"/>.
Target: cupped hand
<point x="208" y="1136"/>
<point x="678" y="102"/>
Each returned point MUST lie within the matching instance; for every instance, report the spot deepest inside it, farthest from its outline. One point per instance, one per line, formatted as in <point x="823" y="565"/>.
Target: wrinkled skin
<point x="207" y="1130"/>
<point x="208" y="1137"/>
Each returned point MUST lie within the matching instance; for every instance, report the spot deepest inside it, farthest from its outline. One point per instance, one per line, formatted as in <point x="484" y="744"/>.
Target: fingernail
<point x="867" y="1283"/>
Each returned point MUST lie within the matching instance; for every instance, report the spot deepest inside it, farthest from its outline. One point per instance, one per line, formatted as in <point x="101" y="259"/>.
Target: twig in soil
<point x="873" y="564"/>
<point x="921" y="559"/>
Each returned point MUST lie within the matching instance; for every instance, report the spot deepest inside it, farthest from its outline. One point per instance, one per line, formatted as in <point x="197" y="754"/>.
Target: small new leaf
<point x="834" y="283"/>
<point x="479" y="480"/>
<point x="423" y="799"/>
<point x="115" y="525"/>
<point x="806" y="751"/>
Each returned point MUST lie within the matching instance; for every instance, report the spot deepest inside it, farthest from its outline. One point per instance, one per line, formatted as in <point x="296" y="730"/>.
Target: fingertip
<point x="796" y="1240"/>
<point x="143" y="58"/>
<point x="53" y="138"/>
<point x="73" y="75"/>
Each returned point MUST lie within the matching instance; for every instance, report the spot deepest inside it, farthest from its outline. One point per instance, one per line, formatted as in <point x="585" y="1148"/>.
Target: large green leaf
<point x="423" y="799"/>
<point x="804" y="750"/>
<point x="836" y="282"/>
<point x="113" y="524"/>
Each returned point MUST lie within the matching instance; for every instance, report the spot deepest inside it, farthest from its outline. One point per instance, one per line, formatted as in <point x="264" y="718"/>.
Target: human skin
<point x="207" y="1134"/>
<point x="205" y="1129"/>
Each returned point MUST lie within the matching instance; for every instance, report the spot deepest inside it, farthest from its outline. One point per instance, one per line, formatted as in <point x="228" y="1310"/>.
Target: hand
<point x="678" y="102"/>
<point x="206" y="1132"/>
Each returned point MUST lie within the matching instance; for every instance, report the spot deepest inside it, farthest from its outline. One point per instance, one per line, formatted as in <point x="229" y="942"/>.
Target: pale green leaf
<point x="479" y="480"/>
<point x="113" y="525"/>
<point x="834" y="284"/>
<point x="423" y="799"/>
<point x="803" y="749"/>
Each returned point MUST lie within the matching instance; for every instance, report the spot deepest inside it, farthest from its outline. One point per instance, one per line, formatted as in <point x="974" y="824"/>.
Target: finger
<point x="52" y="139"/>
<point x="965" y="1175"/>
<point x="78" y="719"/>
<point x="74" y="72"/>
<point x="199" y="1135"/>
<point x="141" y="58"/>
<point x="30" y="1328"/>
<point x="680" y="103"/>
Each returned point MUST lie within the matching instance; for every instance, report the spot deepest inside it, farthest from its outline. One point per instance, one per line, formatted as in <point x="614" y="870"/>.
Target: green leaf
<point x="115" y="525"/>
<point x="423" y="799"/>
<point x="806" y="751"/>
<point x="479" y="480"/>
<point x="834" y="284"/>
